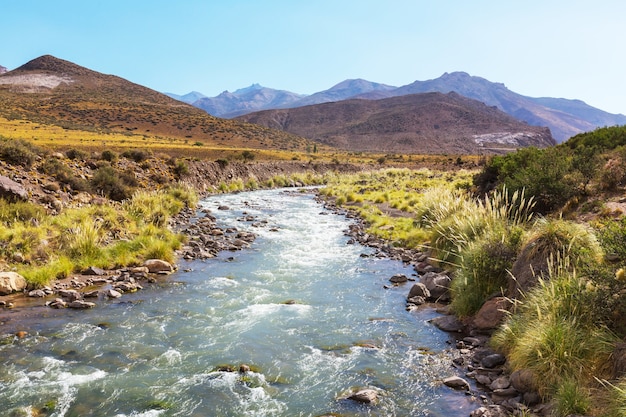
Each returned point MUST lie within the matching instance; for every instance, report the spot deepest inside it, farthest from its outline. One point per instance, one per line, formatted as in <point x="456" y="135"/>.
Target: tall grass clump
<point x="553" y="333"/>
<point x="40" y="275"/>
<point x="488" y="240"/>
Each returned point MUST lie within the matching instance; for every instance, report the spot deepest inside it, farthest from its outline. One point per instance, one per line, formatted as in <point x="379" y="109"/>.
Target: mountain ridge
<point x="564" y="117"/>
<point x="54" y="91"/>
<point x="413" y="123"/>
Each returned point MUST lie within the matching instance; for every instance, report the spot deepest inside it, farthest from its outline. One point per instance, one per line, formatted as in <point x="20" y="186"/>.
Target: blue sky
<point x="555" y="48"/>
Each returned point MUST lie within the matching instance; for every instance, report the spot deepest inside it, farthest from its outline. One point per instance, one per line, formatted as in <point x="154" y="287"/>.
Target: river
<point x="303" y="308"/>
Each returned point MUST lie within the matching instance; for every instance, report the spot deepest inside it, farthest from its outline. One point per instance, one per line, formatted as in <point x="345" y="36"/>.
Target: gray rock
<point x="111" y="293"/>
<point x="94" y="270"/>
<point x="91" y="294"/>
<point x="456" y="382"/>
<point x="366" y="396"/>
<point x="81" y="305"/>
<point x="523" y="380"/>
<point x="11" y="282"/>
<point x="491" y="361"/>
<point x="12" y="190"/>
<point x="419" y="290"/>
<point x="483" y="379"/>
<point x="37" y="293"/>
<point x="70" y="295"/>
<point x="399" y="279"/>
<point x="492" y="313"/>
<point x="57" y="303"/>
<point x="417" y="300"/>
<point x="438" y="284"/>
<point x="490" y="411"/>
<point x="448" y="324"/>
<point x="501" y="383"/>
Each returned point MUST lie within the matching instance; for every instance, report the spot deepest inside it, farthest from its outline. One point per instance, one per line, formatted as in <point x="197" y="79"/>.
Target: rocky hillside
<point x="418" y="123"/>
<point x="54" y="91"/>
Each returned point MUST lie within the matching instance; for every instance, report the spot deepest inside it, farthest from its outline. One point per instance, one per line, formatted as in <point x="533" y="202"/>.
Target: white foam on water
<point x="221" y="282"/>
<point x="148" y="413"/>
<point x="263" y="310"/>
<point x="171" y="357"/>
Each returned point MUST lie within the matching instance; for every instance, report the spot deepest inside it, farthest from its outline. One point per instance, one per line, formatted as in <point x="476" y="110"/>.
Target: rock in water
<point x="398" y="278"/>
<point x="366" y="396"/>
<point x="456" y="383"/>
<point x="81" y="305"/>
<point x="158" y="265"/>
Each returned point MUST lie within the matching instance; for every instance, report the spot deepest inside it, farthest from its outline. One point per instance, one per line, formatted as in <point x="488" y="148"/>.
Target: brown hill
<point x="50" y="90"/>
<point x="416" y="123"/>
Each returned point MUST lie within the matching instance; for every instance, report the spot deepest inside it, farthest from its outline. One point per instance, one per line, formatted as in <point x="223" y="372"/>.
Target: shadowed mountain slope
<point x="417" y="123"/>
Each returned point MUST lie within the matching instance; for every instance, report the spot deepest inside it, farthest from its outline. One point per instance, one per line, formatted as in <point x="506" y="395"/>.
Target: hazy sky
<point x="554" y="48"/>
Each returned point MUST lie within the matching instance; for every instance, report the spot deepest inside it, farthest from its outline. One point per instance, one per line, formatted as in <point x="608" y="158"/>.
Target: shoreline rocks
<point x="501" y="394"/>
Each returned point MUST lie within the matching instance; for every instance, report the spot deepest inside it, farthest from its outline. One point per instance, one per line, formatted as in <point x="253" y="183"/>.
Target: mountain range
<point x="564" y="117"/>
<point x="432" y="122"/>
<point x="52" y="91"/>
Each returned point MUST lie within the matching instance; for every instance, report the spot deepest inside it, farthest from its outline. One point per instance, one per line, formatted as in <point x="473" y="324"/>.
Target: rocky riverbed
<point x="501" y="393"/>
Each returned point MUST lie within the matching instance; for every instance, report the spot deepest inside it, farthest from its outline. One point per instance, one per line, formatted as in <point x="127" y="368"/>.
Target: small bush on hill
<point x="108" y="155"/>
<point x="113" y="184"/>
<point x="64" y="174"/>
<point x="19" y="152"/>
<point x="545" y="174"/>
<point x="76" y="154"/>
<point x="136" y="155"/>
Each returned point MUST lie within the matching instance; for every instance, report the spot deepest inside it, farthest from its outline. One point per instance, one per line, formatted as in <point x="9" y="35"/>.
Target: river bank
<point x="377" y="348"/>
<point x="501" y="392"/>
<point x="206" y="240"/>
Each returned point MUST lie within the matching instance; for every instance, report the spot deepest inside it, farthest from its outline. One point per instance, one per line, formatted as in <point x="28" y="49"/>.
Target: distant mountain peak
<point x="51" y="64"/>
<point x="3" y="69"/>
<point x="253" y="87"/>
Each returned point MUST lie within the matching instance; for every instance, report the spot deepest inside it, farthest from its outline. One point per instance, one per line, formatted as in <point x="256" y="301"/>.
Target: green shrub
<point x="180" y="168"/>
<point x="64" y="175"/>
<point x="483" y="273"/>
<point x="38" y="276"/>
<point x="223" y="163"/>
<point x="545" y="174"/>
<point x="572" y="398"/>
<point x="75" y="154"/>
<point x="247" y="156"/>
<point x="18" y="152"/>
<point x="136" y="155"/>
<point x="108" y="155"/>
<point x="113" y="184"/>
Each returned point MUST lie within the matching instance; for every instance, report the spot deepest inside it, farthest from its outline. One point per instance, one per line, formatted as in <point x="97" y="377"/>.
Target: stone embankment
<point x="500" y="394"/>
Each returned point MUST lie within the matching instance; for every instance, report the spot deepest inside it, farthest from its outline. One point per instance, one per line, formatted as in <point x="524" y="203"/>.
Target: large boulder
<point x="11" y="282"/>
<point x="438" y="284"/>
<point x="157" y="265"/>
<point x="492" y="314"/>
<point x="456" y="382"/>
<point x="12" y="190"/>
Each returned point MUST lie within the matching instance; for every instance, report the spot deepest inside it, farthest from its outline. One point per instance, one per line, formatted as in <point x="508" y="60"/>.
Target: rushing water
<point x="157" y="352"/>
